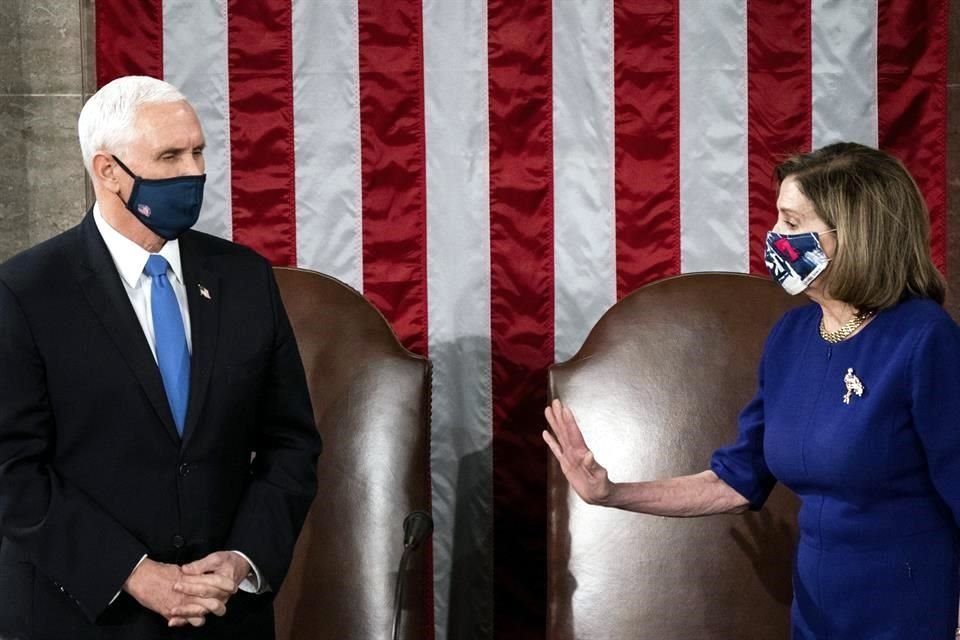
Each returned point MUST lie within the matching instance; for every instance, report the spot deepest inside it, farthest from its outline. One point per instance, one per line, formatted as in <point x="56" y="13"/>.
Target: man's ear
<point x="106" y="171"/>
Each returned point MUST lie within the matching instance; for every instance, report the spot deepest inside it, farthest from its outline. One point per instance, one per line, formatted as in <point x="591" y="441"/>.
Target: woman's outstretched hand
<point x="587" y="477"/>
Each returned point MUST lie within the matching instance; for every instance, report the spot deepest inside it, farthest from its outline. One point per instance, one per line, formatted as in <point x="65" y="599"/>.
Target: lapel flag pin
<point x="204" y="292"/>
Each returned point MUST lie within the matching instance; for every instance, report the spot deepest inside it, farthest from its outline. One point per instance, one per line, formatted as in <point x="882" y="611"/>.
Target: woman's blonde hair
<point x="883" y="230"/>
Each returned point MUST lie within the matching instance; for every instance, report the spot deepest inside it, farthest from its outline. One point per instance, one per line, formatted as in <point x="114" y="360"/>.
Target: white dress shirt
<point x="130" y="259"/>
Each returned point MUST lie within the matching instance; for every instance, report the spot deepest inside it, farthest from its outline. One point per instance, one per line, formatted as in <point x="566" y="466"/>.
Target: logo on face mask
<point x="168" y="207"/>
<point x="794" y="261"/>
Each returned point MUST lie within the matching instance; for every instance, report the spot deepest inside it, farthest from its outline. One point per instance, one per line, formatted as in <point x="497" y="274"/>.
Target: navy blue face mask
<point x="168" y="207"/>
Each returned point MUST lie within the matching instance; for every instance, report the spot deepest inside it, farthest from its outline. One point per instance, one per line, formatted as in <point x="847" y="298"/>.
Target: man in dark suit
<point x="157" y="443"/>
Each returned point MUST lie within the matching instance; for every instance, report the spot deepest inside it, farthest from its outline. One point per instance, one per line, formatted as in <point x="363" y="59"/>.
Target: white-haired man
<point x="157" y="444"/>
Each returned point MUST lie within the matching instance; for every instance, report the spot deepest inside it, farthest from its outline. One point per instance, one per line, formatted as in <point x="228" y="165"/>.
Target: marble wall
<point x="46" y="71"/>
<point x="42" y="86"/>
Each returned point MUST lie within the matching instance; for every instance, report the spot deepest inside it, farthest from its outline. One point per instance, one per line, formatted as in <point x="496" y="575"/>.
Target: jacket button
<point x="178" y="541"/>
<point x="183" y="469"/>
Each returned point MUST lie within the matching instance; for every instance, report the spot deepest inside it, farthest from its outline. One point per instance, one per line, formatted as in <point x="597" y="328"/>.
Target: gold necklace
<point x="846" y="328"/>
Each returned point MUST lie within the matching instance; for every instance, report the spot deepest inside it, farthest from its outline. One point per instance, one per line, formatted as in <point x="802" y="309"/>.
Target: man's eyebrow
<point x="170" y="150"/>
<point x="179" y="150"/>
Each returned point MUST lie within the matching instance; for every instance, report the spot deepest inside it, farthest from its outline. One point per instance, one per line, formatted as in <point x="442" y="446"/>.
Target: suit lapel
<point x="203" y="298"/>
<point x="104" y="290"/>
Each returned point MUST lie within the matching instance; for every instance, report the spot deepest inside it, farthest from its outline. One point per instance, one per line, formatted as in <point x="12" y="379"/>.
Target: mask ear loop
<point x="129" y="173"/>
<point x="820" y="233"/>
<point x="124" y="167"/>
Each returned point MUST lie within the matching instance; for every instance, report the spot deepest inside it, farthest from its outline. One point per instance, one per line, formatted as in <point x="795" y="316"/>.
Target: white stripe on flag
<point x="458" y="295"/>
<point x="583" y="131"/>
<point x="326" y="80"/>
<point x="713" y="136"/>
<point x="195" y="61"/>
<point x="844" y="57"/>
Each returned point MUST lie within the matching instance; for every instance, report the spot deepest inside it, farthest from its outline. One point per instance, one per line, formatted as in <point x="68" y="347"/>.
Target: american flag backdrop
<point x="494" y="174"/>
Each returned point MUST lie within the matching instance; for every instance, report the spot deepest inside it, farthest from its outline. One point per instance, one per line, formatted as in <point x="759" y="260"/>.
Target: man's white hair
<point x="108" y="119"/>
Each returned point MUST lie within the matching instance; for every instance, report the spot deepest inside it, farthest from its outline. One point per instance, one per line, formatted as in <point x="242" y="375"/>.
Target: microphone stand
<point x="416" y="526"/>
<point x="398" y="593"/>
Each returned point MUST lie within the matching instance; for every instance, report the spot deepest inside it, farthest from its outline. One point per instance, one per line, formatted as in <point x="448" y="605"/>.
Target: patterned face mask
<point x="795" y="260"/>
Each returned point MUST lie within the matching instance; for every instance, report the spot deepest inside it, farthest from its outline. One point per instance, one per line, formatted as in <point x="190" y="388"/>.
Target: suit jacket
<point x="93" y="474"/>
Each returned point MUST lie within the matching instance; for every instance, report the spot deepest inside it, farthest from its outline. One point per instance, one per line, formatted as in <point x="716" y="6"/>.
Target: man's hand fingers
<point x="180" y="622"/>
<point x="203" y="565"/>
<point x="198" y="607"/>
<point x="194" y="590"/>
<point x="186" y="610"/>
<point x="205" y="585"/>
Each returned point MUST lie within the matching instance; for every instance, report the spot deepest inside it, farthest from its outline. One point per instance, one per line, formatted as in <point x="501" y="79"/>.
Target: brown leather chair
<point x="371" y="404"/>
<point x="656" y="387"/>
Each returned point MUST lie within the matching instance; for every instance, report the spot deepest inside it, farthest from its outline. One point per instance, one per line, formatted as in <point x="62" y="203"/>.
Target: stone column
<point x="42" y="85"/>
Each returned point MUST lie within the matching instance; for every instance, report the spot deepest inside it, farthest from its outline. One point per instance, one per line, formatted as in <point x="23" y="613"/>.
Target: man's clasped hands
<point x="187" y="594"/>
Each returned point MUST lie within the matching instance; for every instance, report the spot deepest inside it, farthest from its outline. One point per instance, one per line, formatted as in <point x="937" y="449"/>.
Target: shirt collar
<point x="129" y="257"/>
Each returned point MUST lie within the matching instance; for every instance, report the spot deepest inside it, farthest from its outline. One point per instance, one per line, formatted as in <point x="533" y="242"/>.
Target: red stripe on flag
<point x="912" y="96"/>
<point x="647" y="147"/>
<point x="129" y="39"/>
<point x="779" y="105"/>
<point x="521" y="305"/>
<point x="392" y="159"/>
<point x="260" y="58"/>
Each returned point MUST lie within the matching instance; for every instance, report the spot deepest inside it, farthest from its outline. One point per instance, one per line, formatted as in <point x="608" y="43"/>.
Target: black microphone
<point x="417" y="526"/>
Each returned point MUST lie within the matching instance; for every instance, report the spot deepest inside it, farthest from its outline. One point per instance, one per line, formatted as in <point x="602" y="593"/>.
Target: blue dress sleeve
<point x="935" y="405"/>
<point x="742" y="464"/>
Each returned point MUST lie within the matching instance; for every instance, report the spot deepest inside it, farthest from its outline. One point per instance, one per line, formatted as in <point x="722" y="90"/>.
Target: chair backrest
<point x="371" y="404"/>
<point x="656" y="387"/>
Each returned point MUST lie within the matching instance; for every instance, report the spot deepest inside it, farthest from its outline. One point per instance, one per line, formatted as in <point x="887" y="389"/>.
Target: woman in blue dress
<point x="857" y="409"/>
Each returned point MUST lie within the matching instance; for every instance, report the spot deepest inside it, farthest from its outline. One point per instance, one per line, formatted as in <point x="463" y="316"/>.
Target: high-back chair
<point x="656" y="387"/>
<point x="371" y="404"/>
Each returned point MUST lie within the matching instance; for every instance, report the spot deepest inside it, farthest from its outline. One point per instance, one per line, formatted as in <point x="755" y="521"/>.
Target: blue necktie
<point x="172" y="354"/>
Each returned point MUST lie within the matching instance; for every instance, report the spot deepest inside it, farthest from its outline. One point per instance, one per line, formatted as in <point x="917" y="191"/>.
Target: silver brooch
<point x="853" y="384"/>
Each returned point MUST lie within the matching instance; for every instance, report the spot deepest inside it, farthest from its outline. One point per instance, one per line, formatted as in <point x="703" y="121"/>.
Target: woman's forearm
<point x="700" y="494"/>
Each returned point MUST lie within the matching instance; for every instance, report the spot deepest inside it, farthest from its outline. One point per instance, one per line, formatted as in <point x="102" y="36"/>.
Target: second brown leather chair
<point x="656" y="388"/>
<point x="371" y="403"/>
